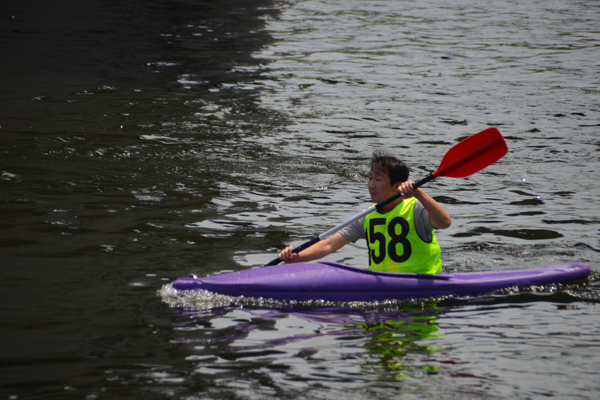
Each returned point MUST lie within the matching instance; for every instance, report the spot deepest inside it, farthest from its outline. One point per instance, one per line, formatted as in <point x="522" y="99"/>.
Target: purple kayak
<point x="336" y="282"/>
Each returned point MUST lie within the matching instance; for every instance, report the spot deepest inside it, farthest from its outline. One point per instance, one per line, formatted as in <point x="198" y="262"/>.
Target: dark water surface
<point x="141" y="141"/>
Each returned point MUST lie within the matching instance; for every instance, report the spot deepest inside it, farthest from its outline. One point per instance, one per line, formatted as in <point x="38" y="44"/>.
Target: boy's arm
<point x="438" y="217"/>
<point x="318" y="250"/>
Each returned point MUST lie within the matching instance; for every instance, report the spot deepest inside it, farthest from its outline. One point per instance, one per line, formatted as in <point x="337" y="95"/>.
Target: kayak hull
<point x="336" y="282"/>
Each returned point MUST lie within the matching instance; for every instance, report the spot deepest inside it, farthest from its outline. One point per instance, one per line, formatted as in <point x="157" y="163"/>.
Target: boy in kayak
<point x="400" y="236"/>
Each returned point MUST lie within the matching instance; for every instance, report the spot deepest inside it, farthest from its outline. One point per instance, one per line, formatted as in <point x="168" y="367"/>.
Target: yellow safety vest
<point x="395" y="246"/>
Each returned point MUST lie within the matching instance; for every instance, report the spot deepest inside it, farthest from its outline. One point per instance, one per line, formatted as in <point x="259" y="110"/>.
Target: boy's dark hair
<point x="390" y="165"/>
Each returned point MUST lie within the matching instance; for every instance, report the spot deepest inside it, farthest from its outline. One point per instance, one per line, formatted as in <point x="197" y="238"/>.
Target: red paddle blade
<point x="472" y="154"/>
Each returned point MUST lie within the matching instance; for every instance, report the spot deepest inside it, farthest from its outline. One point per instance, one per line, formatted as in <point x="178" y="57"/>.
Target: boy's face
<point x="379" y="186"/>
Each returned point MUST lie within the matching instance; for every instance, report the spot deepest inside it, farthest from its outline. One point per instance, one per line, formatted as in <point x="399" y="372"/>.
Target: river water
<point x="142" y="141"/>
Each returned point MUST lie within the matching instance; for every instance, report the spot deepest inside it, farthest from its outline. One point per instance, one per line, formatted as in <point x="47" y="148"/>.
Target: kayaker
<point x="400" y="236"/>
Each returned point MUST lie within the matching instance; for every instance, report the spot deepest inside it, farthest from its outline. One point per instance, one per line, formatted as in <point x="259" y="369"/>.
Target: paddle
<point x="464" y="158"/>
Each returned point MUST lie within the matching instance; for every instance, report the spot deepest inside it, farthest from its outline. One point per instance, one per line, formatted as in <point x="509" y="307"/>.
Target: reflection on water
<point x="393" y="343"/>
<point x="410" y="347"/>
